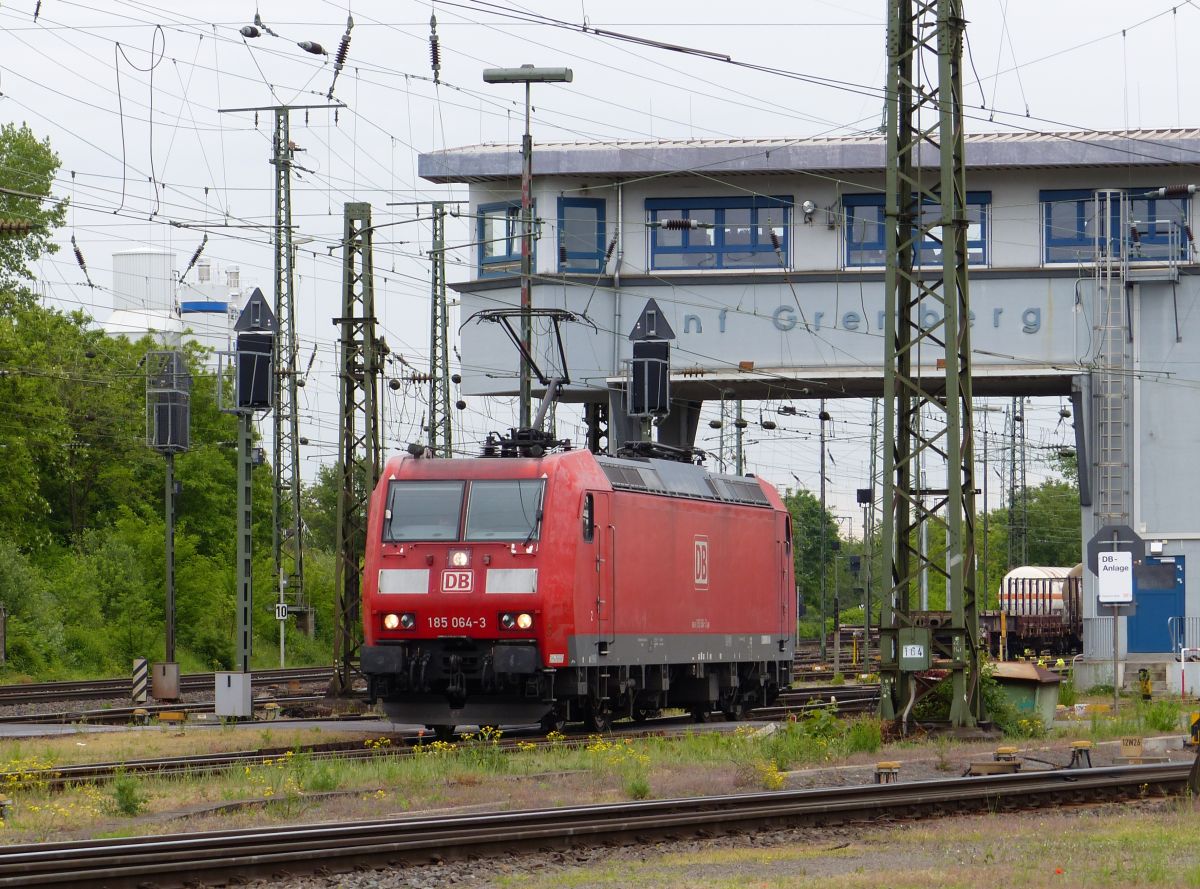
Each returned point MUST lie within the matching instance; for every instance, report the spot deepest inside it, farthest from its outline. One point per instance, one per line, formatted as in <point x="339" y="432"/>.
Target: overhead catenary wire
<point x="365" y="120"/>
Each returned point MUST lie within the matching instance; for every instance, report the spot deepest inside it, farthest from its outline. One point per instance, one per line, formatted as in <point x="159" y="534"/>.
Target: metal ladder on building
<point x="1111" y="395"/>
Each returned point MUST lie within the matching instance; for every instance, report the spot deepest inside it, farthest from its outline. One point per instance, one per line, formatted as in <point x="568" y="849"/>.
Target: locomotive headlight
<point x="391" y="621"/>
<point x="408" y="621"/>
<point x="460" y="558"/>
<point x="524" y="621"/>
<point x="507" y="621"/>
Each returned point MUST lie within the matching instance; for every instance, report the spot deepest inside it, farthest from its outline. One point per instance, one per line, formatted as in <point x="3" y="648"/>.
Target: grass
<point x="439" y="774"/>
<point x="473" y="771"/>
<point x="1137" y="717"/>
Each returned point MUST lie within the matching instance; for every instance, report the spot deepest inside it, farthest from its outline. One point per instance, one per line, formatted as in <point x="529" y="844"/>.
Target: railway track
<point x="214" y="857"/>
<point x="805" y="669"/>
<point x="113" y="688"/>
<point x="850" y="699"/>
<point x="125" y="715"/>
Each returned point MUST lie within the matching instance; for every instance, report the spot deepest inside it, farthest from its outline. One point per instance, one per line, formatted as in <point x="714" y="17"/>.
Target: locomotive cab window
<point x="589" y="517"/>
<point x="505" y="510"/>
<point x="423" y="510"/>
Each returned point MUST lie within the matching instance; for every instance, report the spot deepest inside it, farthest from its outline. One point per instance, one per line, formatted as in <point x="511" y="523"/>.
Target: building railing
<point x="1185" y="633"/>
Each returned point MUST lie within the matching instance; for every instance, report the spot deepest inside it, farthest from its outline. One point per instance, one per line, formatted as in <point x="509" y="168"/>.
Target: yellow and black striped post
<point x="141" y="679"/>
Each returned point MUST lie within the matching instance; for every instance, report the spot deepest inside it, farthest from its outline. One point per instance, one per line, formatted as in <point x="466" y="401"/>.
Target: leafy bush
<point x="637" y="787"/>
<point x="1068" y="694"/>
<point x="127" y="796"/>
<point x="1162" y="716"/>
<point x="1028" y="727"/>
<point x="864" y="735"/>
<point x="768" y="774"/>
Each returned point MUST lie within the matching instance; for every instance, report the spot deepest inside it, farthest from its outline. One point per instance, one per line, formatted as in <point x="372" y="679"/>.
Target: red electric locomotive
<point x="573" y="586"/>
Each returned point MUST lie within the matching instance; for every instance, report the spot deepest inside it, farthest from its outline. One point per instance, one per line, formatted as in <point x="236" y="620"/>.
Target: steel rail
<point x="220" y="855"/>
<point x="126" y="714"/>
<point x="104" y="688"/>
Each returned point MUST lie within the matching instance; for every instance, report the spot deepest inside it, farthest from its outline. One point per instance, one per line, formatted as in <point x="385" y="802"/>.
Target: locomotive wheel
<point x="735" y="711"/>
<point x="644" y="714"/>
<point x="599" y="718"/>
<point x="700" y="712"/>
<point x="553" y="722"/>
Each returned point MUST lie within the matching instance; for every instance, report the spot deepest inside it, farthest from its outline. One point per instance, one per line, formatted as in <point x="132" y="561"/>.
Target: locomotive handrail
<point x="612" y="577"/>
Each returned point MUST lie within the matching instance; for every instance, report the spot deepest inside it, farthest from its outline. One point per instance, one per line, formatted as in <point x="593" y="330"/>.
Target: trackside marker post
<point x="1114" y="575"/>
<point x="141" y="680"/>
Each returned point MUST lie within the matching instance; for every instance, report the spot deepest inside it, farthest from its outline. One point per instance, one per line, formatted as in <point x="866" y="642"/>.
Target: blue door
<point x="1158" y="594"/>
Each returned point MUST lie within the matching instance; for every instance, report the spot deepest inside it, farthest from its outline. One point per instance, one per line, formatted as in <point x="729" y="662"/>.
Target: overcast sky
<point x="128" y="93"/>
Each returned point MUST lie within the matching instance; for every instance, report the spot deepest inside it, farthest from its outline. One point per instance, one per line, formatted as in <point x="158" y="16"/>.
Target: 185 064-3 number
<point x="441" y="622"/>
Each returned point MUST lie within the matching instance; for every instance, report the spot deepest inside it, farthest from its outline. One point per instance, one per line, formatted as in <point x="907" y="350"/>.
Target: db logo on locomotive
<point x="456" y="581"/>
<point x="701" y="561"/>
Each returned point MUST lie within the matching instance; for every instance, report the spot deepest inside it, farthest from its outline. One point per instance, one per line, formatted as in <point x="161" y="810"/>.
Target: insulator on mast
<point x="258" y="21"/>
<point x="678" y="224"/>
<point x="339" y="58"/>
<point x="82" y="264"/>
<point x="1174" y="191"/>
<point x="435" y="53"/>
<point x="612" y="245"/>
<point x="195" y="257"/>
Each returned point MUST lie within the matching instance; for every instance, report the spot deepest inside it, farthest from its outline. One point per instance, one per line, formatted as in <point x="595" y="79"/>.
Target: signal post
<point x="256" y="328"/>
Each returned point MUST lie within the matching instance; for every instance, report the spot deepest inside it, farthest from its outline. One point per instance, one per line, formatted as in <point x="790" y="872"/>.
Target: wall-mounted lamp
<point x="1156" y="547"/>
<point x="808" y="208"/>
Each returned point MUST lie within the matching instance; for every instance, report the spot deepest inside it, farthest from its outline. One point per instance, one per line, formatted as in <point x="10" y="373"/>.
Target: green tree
<point x="27" y="169"/>
<point x="809" y="524"/>
<point x="33" y="632"/>
<point x="320" y="505"/>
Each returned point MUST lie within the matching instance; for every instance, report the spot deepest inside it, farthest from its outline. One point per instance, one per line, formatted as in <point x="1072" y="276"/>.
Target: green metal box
<point x="914" y="649"/>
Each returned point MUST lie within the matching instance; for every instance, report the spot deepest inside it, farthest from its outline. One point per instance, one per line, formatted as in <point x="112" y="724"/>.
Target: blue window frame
<point x="731" y="233"/>
<point x="498" y="231"/>
<point x="1156" y="228"/>
<point x="865" y="230"/>
<point x="581" y="234"/>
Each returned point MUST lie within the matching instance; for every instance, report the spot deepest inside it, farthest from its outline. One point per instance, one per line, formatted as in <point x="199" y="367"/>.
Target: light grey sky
<point x="131" y="110"/>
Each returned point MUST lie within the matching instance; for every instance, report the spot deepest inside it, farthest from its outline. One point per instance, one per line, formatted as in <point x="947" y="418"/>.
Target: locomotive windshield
<point x="423" y="510"/>
<point x="504" y="510"/>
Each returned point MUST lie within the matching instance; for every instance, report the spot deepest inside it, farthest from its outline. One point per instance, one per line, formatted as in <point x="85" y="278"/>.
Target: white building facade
<point x="149" y="299"/>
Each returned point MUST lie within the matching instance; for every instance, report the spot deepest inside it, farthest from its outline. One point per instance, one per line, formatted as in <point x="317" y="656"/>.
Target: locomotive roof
<point x="654" y="476"/>
<point x="647" y="475"/>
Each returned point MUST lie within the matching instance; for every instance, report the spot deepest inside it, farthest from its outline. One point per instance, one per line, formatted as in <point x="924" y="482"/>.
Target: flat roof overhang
<point x="984" y="151"/>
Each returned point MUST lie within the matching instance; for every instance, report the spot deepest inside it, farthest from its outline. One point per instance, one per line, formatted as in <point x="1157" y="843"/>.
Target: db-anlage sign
<point x="1114" y="573"/>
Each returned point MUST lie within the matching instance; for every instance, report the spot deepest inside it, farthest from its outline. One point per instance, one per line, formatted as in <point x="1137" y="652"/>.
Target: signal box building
<point x="764" y="262"/>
